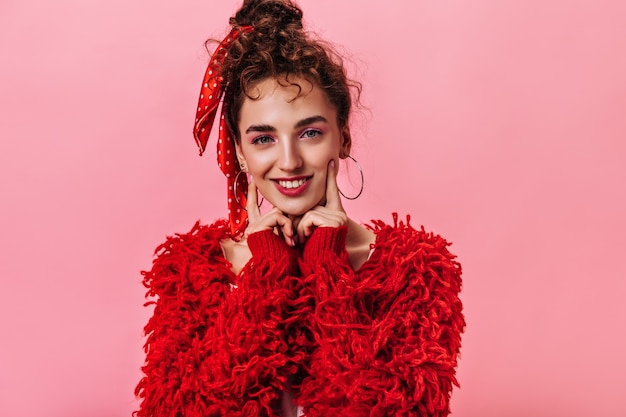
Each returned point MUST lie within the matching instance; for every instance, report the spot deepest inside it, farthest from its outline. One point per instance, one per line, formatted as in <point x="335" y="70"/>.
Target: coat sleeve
<point x="213" y="349"/>
<point x="210" y="348"/>
<point x="186" y="285"/>
<point x="389" y="337"/>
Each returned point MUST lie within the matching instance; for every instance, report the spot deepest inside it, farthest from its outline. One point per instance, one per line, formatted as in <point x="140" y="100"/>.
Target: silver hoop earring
<point x="235" y="192"/>
<point x="362" y="181"/>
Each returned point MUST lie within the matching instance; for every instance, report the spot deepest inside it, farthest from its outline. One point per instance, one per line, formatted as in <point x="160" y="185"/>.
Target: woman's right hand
<point x="273" y="220"/>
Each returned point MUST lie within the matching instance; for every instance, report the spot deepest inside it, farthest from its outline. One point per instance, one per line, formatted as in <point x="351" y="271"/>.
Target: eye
<point x="262" y="140"/>
<point x="310" y="133"/>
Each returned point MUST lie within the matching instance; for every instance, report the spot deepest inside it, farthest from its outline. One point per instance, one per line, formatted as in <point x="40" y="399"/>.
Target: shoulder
<point x="400" y="245"/>
<point x="200" y="238"/>
<point x="402" y="235"/>
<point x="186" y="285"/>
<point x="184" y="258"/>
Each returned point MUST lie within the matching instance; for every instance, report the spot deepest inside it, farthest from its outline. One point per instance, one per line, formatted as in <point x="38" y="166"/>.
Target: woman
<point x="294" y="310"/>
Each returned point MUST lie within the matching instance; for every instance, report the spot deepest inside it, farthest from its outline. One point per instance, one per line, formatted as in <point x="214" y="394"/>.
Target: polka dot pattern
<point x="211" y="94"/>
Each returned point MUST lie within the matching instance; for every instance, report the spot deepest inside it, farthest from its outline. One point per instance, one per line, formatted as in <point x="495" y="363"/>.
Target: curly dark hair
<point x="279" y="47"/>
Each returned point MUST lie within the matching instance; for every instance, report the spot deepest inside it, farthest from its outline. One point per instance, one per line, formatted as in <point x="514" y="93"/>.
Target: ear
<point x="346" y="142"/>
<point x="240" y="158"/>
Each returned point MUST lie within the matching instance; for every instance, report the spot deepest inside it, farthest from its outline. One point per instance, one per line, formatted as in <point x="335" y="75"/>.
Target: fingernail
<point x="332" y="163"/>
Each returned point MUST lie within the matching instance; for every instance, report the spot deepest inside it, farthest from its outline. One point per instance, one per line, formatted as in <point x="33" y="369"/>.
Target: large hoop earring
<point x="362" y="181"/>
<point x="235" y="192"/>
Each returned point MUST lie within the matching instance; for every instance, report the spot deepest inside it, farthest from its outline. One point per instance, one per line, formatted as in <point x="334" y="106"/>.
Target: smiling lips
<point x="292" y="186"/>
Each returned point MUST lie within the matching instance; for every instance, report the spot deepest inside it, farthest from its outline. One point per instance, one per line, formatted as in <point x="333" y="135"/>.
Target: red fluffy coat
<point x="381" y="341"/>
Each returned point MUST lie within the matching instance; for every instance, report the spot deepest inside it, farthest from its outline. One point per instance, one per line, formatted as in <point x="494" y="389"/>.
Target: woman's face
<point x="287" y="142"/>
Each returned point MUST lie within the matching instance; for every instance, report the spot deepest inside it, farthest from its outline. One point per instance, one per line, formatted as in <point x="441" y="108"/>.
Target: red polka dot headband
<point x="211" y="93"/>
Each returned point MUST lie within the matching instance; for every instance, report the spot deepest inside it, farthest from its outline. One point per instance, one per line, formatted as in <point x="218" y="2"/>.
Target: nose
<point x="290" y="158"/>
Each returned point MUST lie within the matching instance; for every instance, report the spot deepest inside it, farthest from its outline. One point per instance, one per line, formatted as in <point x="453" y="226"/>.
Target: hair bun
<point x="268" y="16"/>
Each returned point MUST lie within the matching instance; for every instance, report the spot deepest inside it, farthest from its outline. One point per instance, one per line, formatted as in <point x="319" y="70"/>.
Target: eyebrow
<point x="301" y="123"/>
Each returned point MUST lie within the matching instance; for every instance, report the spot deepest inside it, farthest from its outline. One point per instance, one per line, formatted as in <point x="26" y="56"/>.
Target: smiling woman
<point x="295" y="309"/>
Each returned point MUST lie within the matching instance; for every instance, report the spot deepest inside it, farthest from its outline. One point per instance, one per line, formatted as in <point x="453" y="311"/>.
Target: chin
<point x="294" y="209"/>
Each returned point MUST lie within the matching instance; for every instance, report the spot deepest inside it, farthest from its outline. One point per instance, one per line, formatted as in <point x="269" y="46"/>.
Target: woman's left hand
<point x="331" y="214"/>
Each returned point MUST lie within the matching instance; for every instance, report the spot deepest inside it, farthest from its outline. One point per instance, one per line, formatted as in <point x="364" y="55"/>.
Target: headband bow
<point x="211" y="93"/>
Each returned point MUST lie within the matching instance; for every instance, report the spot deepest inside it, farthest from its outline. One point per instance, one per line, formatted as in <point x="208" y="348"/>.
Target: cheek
<point x="322" y="157"/>
<point x="258" y="168"/>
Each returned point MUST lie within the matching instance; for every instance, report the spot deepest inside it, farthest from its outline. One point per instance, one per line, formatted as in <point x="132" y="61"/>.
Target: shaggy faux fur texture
<point x="381" y="341"/>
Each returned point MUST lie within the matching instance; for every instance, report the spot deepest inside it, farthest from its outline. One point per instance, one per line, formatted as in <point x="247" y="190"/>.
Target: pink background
<point x="498" y="124"/>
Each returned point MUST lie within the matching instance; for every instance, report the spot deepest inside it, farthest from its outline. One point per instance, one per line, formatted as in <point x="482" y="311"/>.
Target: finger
<point x="277" y="221"/>
<point x="251" y="204"/>
<point x="286" y="228"/>
<point x="310" y="220"/>
<point x="273" y="220"/>
<point x="319" y="217"/>
<point x="333" y="200"/>
<point x="307" y="229"/>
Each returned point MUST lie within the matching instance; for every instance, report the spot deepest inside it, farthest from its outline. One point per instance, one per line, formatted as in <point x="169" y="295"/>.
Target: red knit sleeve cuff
<point x="325" y="240"/>
<point x="266" y="245"/>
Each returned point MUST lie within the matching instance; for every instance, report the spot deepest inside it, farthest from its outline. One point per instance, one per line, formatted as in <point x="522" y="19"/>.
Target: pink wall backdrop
<point x="499" y="124"/>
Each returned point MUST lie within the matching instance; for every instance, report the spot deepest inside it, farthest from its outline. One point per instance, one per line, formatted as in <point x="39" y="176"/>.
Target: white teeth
<point x="292" y="184"/>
